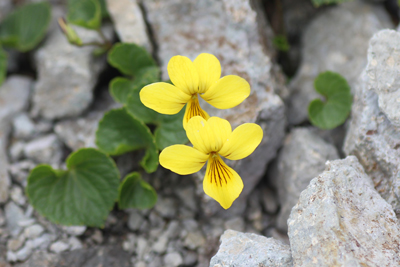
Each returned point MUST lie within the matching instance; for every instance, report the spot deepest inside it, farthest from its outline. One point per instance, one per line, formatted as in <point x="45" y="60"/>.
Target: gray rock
<point x="25" y="251"/>
<point x="240" y="249"/>
<point x="15" y="243"/>
<point x="74" y="243"/>
<point x="160" y="246"/>
<point x="194" y="240"/>
<point x="17" y="195"/>
<point x="59" y="246"/>
<point x="23" y="126"/>
<point x="352" y="23"/>
<point x="341" y="220"/>
<point x="14" y="96"/>
<point x="228" y="29"/>
<point x="383" y="72"/>
<point x="302" y="157"/>
<point x="130" y="243"/>
<point x="374" y="140"/>
<point x="173" y="259"/>
<point x="166" y="207"/>
<point x="14" y="214"/>
<point x="269" y="200"/>
<point x="79" y="133"/>
<point x="142" y="247"/>
<point x="5" y="180"/>
<point x="40" y="259"/>
<point x="43" y="241"/>
<point x="111" y="256"/>
<point x="16" y="150"/>
<point x="129" y="23"/>
<point x="135" y="220"/>
<point x="2" y="218"/>
<point x="74" y="230"/>
<point x="45" y="149"/>
<point x="33" y="231"/>
<point x="187" y="197"/>
<point x="66" y="76"/>
<point x="20" y="170"/>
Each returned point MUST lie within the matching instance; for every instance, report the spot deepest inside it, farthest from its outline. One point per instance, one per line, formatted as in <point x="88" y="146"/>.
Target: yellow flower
<point x="190" y="79"/>
<point x="211" y="139"/>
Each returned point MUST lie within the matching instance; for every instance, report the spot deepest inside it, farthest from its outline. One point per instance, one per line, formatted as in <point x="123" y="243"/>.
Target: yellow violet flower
<point x="191" y="79"/>
<point x="212" y="139"/>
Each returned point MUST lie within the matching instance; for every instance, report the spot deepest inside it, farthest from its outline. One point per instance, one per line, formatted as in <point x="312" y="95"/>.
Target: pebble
<point x="74" y="230"/>
<point x="173" y="259"/>
<point x="74" y="243"/>
<point x="43" y="241"/>
<point x="97" y="236"/>
<point x="160" y="245"/>
<point x="13" y="214"/>
<point x="25" y="251"/>
<point x="17" y="195"/>
<point x="59" y="246"/>
<point x="16" y="150"/>
<point x="45" y="149"/>
<point x="130" y="243"/>
<point x="2" y="218"/>
<point x="142" y="247"/>
<point x="33" y="231"/>
<point x="15" y="244"/>
<point x="23" y="127"/>
<point x="194" y="240"/>
<point x="135" y="220"/>
<point x="166" y="207"/>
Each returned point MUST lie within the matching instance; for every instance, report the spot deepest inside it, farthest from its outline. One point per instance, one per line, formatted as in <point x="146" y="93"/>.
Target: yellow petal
<point x="193" y="109"/>
<point x="242" y="142"/>
<point x="182" y="159"/>
<point x="227" y="92"/>
<point x="221" y="182"/>
<point x="208" y="136"/>
<point x="183" y="74"/>
<point x="209" y="70"/>
<point x="163" y="98"/>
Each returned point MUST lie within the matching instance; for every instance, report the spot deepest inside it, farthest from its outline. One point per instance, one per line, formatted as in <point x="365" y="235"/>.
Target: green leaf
<point x="84" y="13"/>
<point x="82" y="195"/>
<point x="119" y="132"/>
<point x="120" y="89"/>
<point x="136" y="193"/>
<point x="130" y="58"/>
<point x="170" y="131"/>
<point x="336" y="109"/>
<point x="3" y="65"/>
<point x="104" y="11"/>
<point x="326" y="2"/>
<point x="24" y="28"/>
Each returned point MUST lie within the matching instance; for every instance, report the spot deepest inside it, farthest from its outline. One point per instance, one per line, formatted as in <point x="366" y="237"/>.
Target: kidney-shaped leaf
<point x="333" y="112"/>
<point x="82" y="195"/>
<point x="134" y="192"/>
<point x="130" y="58"/>
<point x="85" y="13"/>
<point x="24" y="28"/>
<point x="119" y="132"/>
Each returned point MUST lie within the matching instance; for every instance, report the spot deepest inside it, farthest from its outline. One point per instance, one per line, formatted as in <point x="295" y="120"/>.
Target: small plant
<point x="23" y="29"/>
<point x="336" y="108"/>
<point x="281" y="43"/>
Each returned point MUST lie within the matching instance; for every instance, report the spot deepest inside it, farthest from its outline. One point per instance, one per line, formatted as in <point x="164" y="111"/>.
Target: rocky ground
<point x="311" y="197"/>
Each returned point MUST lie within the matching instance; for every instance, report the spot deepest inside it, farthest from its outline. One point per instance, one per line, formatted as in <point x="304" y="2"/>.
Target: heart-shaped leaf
<point x="84" y="13"/>
<point x="82" y="195"/>
<point x="130" y="59"/>
<point x="134" y="192"/>
<point x="333" y="112"/>
<point x="24" y="28"/>
<point x="119" y="132"/>
<point x="3" y="65"/>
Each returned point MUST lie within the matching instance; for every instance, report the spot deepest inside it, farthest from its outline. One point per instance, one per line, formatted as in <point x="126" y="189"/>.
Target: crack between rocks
<point x="150" y="32"/>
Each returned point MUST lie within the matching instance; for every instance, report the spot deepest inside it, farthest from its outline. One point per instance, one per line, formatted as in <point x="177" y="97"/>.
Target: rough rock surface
<point x="372" y="136"/>
<point x="245" y="249"/>
<point x="383" y="71"/>
<point x="341" y="220"/>
<point x="351" y="23"/>
<point x="227" y="29"/>
<point x="128" y="22"/>
<point x="66" y="76"/>
<point x="14" y="98"/>
<point x="302" y="157"/>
